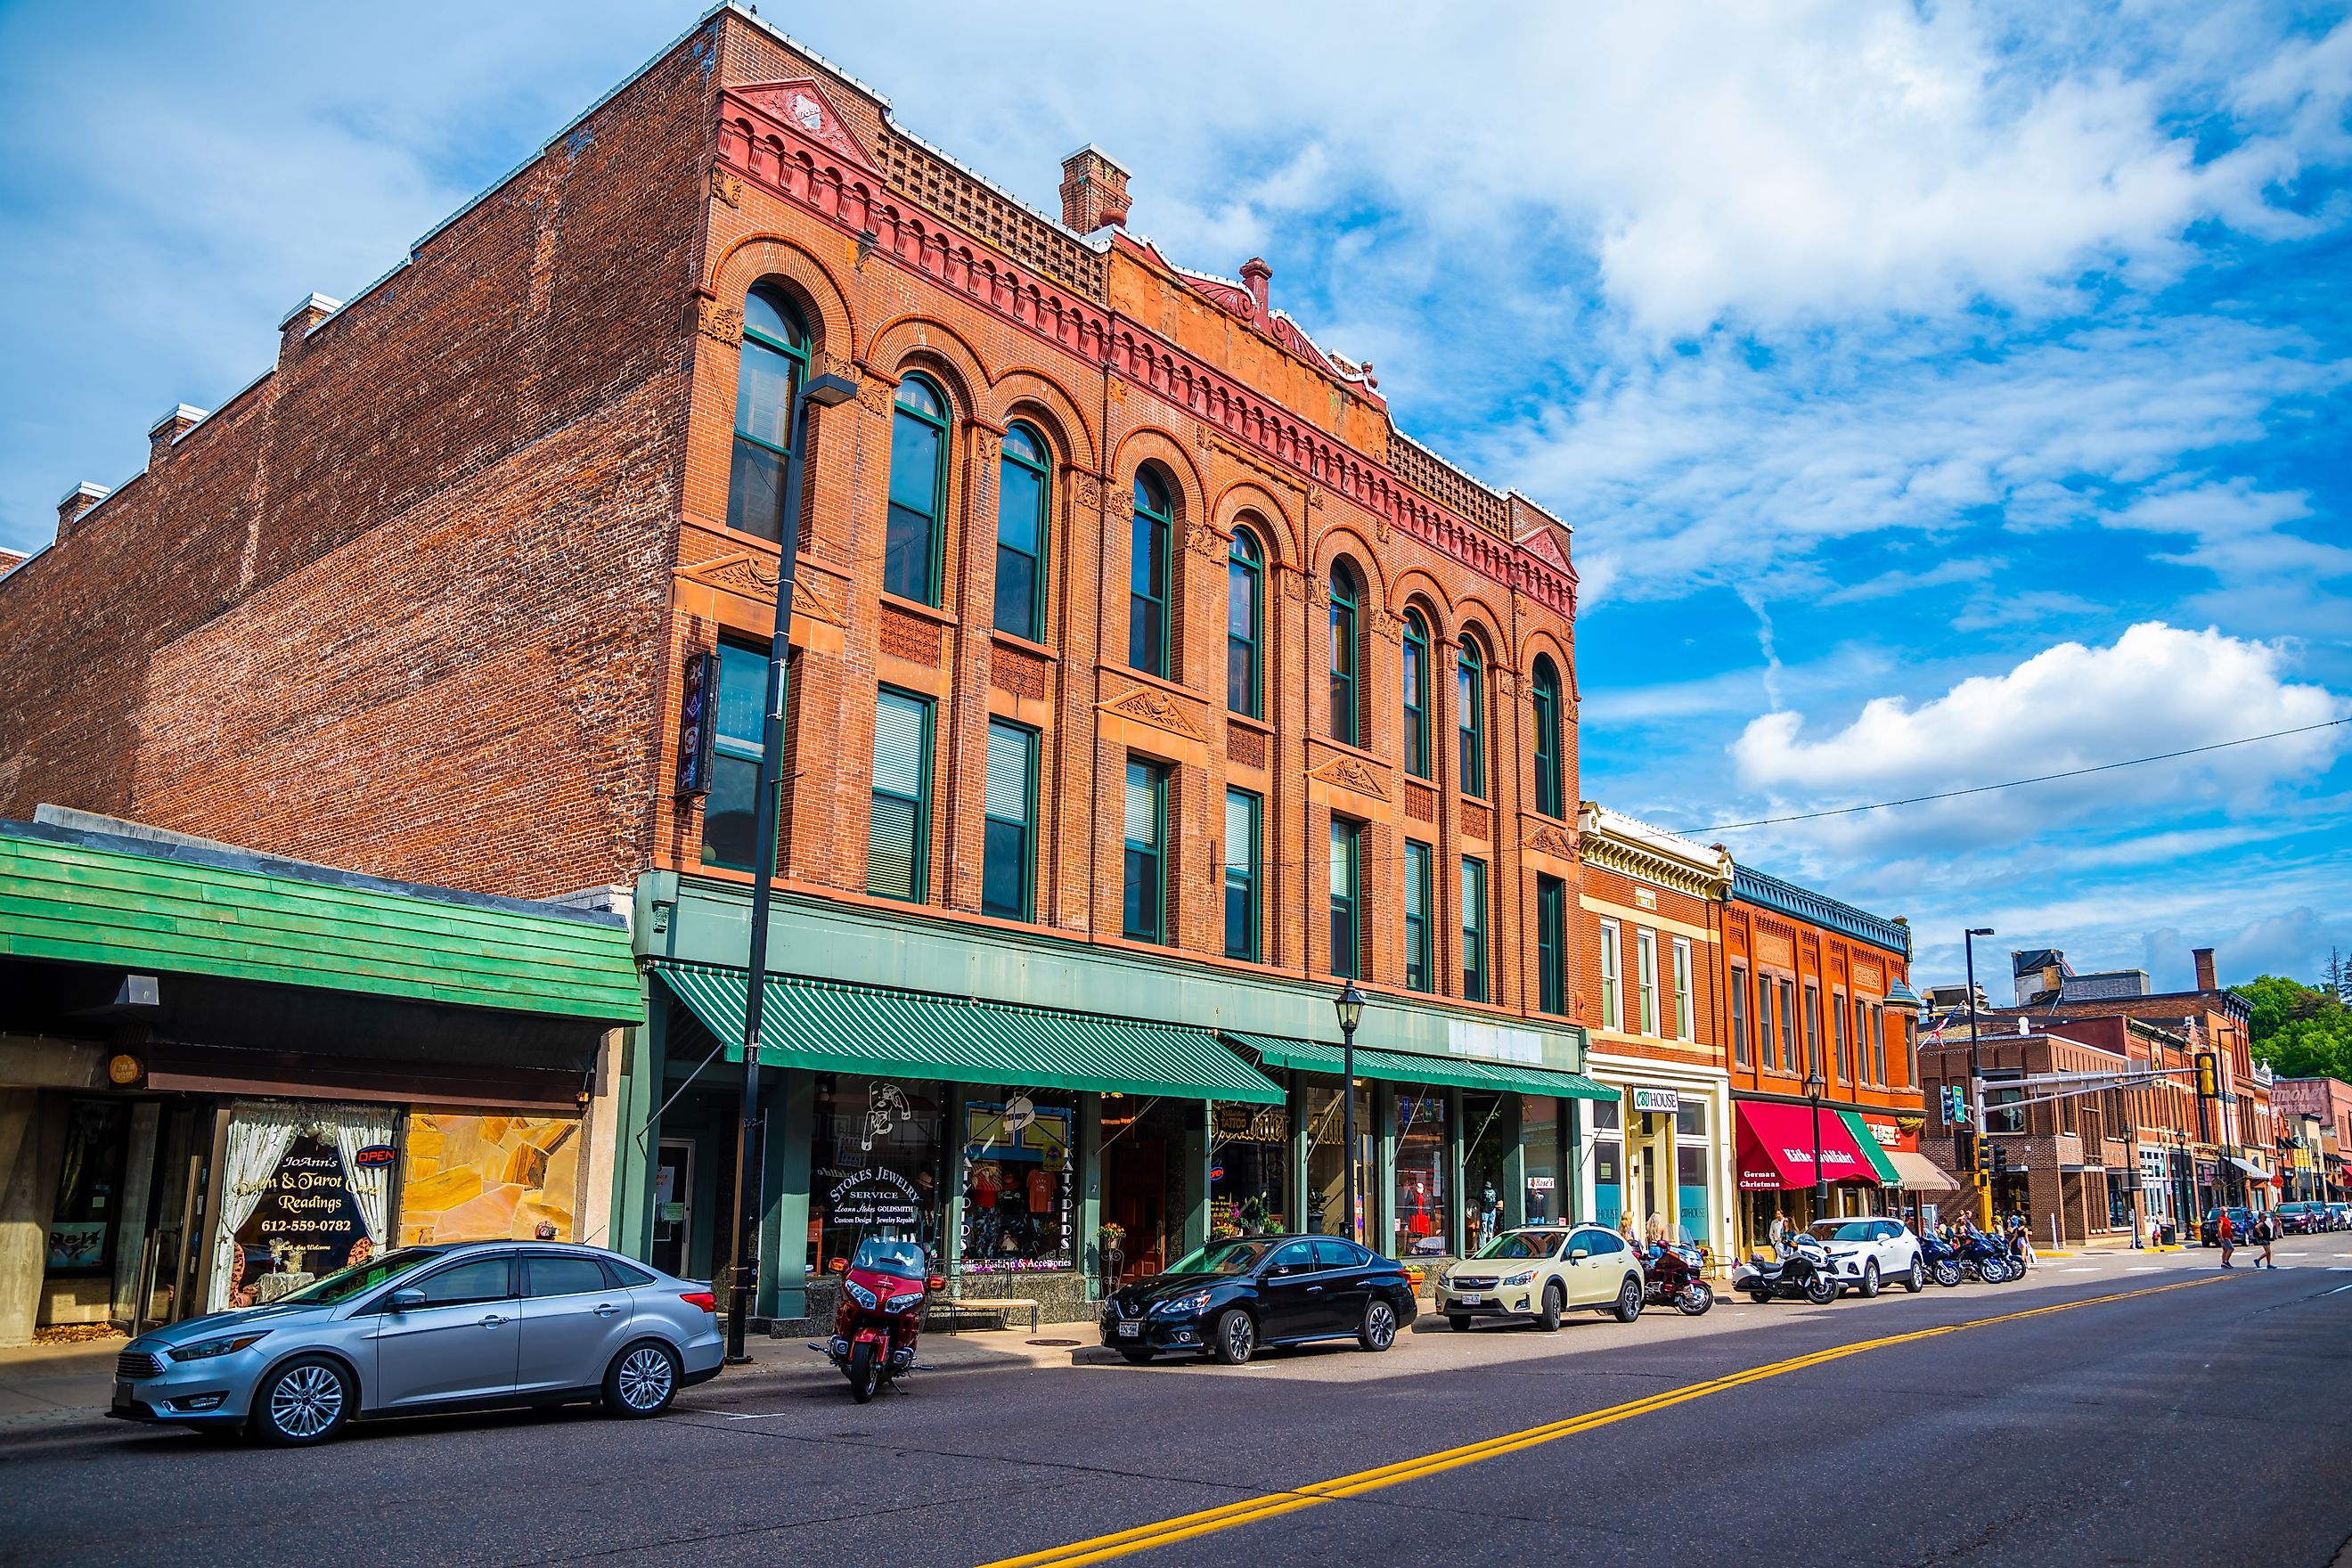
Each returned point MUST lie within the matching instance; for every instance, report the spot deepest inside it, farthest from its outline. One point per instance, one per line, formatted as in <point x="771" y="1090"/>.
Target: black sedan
<point x="1233" y="1297"/>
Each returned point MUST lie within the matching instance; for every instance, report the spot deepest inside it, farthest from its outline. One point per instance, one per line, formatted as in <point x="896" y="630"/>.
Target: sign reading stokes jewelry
<point x="877" y="1196"/>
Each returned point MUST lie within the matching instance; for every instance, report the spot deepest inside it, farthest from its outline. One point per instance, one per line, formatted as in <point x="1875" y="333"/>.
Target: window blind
<point x="1008" y="772"/>
<point x="1142" y="815"/>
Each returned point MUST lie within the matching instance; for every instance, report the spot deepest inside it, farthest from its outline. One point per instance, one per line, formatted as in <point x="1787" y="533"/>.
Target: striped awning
<point x="1867" y="1141"/>
<point x="826" y="1025"/>
<point x="1400" y="1066"/>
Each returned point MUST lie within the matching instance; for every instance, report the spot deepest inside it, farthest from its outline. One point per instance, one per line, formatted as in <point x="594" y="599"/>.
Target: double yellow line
<point x="1209" y="1521"/>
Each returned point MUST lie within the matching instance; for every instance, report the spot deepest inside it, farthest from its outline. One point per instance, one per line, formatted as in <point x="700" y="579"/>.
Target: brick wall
<point x="1843" y="970"/>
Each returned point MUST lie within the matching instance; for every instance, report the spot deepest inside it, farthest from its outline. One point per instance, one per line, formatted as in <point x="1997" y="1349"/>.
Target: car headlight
<point x="905" y="1303"/>
<point x="1180" y="1306"/>
<point x="860" y="1294"/>
<point x="205" y="1349"/>
<point x="1524" y="1276"/>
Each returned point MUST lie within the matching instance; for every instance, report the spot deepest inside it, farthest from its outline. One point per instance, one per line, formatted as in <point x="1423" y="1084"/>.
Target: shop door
<point x="672" y="1205"/>
<point x="1135" y="1197"/>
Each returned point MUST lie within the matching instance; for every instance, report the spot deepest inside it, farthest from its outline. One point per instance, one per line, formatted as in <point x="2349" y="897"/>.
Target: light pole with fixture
<point x="828" y="391"/>
<point x="1350" y="1006"/>
<point x="1975" y="1076"/>
<point x="1813" y="1087"/>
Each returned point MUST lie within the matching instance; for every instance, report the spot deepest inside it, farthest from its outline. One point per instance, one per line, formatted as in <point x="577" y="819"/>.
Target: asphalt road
<point x="2206" y="1423"/>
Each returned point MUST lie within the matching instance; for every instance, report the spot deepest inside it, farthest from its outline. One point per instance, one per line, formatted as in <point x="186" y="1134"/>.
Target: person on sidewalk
<point x="2227" y="1234"/>
<point x="2266" y="1232"/>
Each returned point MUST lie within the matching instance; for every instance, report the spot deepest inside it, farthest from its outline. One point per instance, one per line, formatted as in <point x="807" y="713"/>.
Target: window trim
<point x="798" y="355"/>
<point x="1787" y="1009"/>
<point x="1043" y="468"/>
<point x="1251" y="562"/>
<point x="921" y="878"/>
<point x="943" y="423"/>
<point x="1685" y="1004"/>
<point x="1355" y="899"/>
<point x="1838" y="1037"/>
<point x="1545" y="699"/>
<point x="1645" y="961"/>
<point x="1158" y="936"/>
<point x="1813" y="1062"/>
<point x="1613" y="976"/>
<point x="1739" y="1004"/>
<point x="1475" y="944"/>
<point x="1414" y="676"/>
<point x="1551" y="966"/>
<point x="1254" y="916"/>
<point x="1426" y="956"/>
<point x="1470" y="723"/>
<point x="1030" y="738"/>
<point x="1144" y="517"/>
<point x="1347" y="592"/>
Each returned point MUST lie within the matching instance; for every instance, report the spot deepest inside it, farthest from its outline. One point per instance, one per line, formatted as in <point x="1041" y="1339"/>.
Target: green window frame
<point x="772" y="363"/>
<point x="1008" y="830"/>
<point x="1244" y="624"/>
<point x="1244" y="819"/>
<point x="1144" y="916"/>
<point x="1420" y="965"/>
<point x="1146" y="578"/>
<point x="1417" y="760"/>
<point x="913" y="537"/>
<point x="1551" y="946"/>
<point x="1347" y="654"/>
<point x="1550" y="798"/>
<point x="1023" y="526"/>
<point x="1474" y="931"/>
<point x="898" y="828"/>
<point x="1470" y="694"/>
<point x="1347" y="899"/>
<point x="739" y="715"/>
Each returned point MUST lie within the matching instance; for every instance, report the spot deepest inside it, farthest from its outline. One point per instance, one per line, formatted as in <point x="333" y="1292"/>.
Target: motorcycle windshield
<point x="903" y="1259"/>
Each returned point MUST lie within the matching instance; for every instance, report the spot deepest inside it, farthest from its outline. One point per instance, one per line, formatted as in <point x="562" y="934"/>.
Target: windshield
<point x="903" y="1259"/>
<point x="1226" y="1257"/>
<point x="1840" y="1229"/>
<point x="360" y="1279"/>
<point x="1525" y="1244"/>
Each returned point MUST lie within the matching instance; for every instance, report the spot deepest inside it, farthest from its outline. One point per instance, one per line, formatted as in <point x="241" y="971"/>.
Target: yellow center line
<point x="1208" y="1522"/>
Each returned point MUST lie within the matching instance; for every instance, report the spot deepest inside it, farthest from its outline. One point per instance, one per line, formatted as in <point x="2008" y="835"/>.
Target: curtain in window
<point x="259" y="1137"/>
<point x="360" y="1127"/>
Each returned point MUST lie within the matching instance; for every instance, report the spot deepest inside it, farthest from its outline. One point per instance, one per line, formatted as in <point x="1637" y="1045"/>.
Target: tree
<point x="2300" y="1030"/>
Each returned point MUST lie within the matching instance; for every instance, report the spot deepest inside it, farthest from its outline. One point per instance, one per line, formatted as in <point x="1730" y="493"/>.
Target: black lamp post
<point x="1813" y="1087"/>
<point x="1976" y="1070"/>
<point x="822" y="392"/>
<point x="1350" y="1006"/>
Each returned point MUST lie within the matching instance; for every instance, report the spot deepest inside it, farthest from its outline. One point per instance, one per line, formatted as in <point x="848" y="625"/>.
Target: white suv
<point x="1866" y="1253"/>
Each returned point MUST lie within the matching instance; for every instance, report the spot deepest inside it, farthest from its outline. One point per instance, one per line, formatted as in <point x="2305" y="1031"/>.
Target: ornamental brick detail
<point x="1477" y="821"/>
<point x="1244" y="745"/>
<point x="1019" y="671"/>
<point x="1420" y="802"/>
<point x="909" y="636"/>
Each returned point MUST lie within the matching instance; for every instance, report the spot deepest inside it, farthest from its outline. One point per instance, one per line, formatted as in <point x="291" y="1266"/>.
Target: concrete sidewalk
<point x="46" y="1382"/>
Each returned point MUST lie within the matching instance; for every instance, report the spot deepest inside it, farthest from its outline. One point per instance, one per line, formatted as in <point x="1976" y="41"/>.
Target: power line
<point x="2012" y="784"/>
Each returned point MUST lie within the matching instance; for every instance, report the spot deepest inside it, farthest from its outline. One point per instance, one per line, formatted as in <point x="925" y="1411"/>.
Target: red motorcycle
<point x="1676" y="1277"/>
<point x="874" y="1328"/>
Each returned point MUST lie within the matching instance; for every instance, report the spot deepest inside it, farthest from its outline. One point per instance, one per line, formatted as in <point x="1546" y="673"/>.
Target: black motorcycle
<point x="1803" y="1274"/>
<point x="1986" y="1259"/>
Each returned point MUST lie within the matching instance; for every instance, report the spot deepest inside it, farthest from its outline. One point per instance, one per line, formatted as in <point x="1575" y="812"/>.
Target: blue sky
<point x="1940" y="394"/>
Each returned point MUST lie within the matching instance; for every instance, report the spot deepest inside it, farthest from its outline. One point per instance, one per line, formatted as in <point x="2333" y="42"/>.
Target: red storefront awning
<point x="1775" y="1148"/>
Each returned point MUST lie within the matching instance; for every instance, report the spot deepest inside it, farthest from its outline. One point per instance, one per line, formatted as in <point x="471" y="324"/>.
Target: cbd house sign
<point x="1665" y="1102"/>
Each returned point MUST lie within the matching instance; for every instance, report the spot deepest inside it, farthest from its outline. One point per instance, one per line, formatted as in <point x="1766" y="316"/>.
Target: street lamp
<point x="828" y="391"/>
<point x="1350" y="1006"/>
<point x="1976" y="1070"/>
<point x="1813" y="1087"/>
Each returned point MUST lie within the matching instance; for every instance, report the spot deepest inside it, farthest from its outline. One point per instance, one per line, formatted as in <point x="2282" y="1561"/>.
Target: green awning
<point x="1867" y="1141"/>
<point x="826" y="1025"/>
<point x="1399" y="1067"/>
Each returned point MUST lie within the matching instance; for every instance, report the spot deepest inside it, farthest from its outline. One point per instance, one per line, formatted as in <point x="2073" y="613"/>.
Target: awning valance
<point x="1402" y="1066"/>
<point x="1918" y="1174"/>
<point x="828" y="1027"/>
<point x="1775" y="1148"/>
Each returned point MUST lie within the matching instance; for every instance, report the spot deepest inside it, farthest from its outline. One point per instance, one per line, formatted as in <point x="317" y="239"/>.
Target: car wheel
<point x="304" y="1402"/>
<point x="1377" y="1330"/>
<point x="1628" y="1305"/>
<point x="642" y="1380"/>
<point x="1235" y="1338"/>
<point x="1553" y="1301"/>
<point x="1821" y="1291"/>
<point x="1458" y="1321"/>
<point x="1916" y="1280"/>
<point x="1870" y="1280"/>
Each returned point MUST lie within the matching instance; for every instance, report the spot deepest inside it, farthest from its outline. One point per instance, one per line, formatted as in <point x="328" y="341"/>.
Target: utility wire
<point x="2012" y="784"/>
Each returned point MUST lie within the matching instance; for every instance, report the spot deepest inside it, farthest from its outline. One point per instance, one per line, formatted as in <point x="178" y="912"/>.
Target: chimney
<point x="77" y="500"/>
<point x="298" y="322"/>
<point x="2204" y="957"/>
<point x="168" y="429"/>
<point x="1256" y="275"/>
<point x="1094" y="191"/>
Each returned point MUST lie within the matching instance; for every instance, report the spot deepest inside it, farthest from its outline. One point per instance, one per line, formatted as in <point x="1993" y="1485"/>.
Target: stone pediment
<point x="1547" y="839"/>
<point x="754" y="577"/>
<point x="1354" y="774"/>
<point x="1148" y="705"/>
<point x="801" y="104"/>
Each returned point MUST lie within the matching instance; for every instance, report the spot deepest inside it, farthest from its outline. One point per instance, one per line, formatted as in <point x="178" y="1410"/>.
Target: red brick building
<point x="1143" y="671"/>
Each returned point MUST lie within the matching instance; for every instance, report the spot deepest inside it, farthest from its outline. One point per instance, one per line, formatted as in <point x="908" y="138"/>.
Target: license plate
<point x="123" y="1396"/>
<point x="1130" y="1330"/>
<point x="1471" y="1299"/>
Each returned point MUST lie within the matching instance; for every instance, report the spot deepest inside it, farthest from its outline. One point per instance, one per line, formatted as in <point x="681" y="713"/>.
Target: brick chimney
<point x="299" y="322"/>
<point x="77" y="500"/>
<point x="2204" y="957"/>
<point x="1256" y="275"/>
<point x="1094" y="191"/>
<point x="168" y="429"/>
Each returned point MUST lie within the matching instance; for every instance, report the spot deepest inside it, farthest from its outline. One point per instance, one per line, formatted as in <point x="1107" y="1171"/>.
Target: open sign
<point x="374" y="1155"/>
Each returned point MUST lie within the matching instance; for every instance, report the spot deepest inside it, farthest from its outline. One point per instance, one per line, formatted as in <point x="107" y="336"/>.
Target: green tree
<point x="2302" y="1031"/>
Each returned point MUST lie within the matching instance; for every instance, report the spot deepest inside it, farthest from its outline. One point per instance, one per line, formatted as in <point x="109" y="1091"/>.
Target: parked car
<point x="1541" y="1271"/>
<point x="2302" y="1218"/>
<point x="2339" y="1216"/>
<point x="2242" y="1221"/>
<point x="472" y="1326"/>
<point x="1866" y="1253"/>
<point x="1234" y="1297"/>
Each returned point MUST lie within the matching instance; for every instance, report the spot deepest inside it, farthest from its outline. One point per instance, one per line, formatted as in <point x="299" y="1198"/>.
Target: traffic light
<point x="1964" y="1150"/>
<point x="1999" y="1159"/>
<point x="2208" y="1076"/>
<point x="1984" y="1151"/>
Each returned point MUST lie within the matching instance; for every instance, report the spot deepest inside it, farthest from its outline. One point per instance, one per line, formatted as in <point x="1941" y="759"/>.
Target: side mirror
<point x="407" y="1301"/>
<point x="1579" y="1254"/>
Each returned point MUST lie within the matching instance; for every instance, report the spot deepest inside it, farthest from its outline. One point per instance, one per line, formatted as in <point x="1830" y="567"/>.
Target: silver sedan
<point x="472" y="1326"/>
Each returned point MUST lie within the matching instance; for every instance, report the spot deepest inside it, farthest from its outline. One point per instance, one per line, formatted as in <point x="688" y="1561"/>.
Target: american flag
<point x="1936" y="1035"/>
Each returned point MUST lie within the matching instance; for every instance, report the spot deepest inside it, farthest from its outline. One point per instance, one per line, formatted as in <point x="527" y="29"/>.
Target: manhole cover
<point x="1055" y="1343"/>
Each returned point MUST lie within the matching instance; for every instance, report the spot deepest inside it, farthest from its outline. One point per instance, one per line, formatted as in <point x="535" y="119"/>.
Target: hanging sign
<point x="374" y="1155"/>
<point x="694" y="729"/>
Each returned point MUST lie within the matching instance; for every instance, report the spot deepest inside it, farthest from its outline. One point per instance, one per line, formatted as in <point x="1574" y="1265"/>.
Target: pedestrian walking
<point x="1779" y="1235"/>
<point x="2266" y="1232"/>
<point x="2227" y="1234"/>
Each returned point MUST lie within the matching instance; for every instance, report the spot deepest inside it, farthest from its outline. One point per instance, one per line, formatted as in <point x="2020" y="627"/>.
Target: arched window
<point x="1416" y="695"/>
<point x="919" y="482"/>
<point x="1346" y="655"/>
<point x="1244" y="585"/>
<point x="1022" y="493"/>
<point x="1147" y="596"/>
<point x="1470" y="675"/>
<point x="773" y="359"/>
<point x="1550" y="797"/>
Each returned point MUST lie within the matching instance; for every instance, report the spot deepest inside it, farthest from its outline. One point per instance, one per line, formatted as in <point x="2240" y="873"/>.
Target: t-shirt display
<point x="1018" y="1210"/>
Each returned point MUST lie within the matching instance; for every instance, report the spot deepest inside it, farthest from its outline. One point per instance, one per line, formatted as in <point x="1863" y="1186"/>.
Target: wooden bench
<point x="1004" y="1306"/>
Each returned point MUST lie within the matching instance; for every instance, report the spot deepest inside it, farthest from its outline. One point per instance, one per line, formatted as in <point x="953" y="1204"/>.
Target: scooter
<point x="874" y="1328"/>
<point x="1672" y="1278"/>
<point x="1804" y="1273"/>
<point x="1943" y="1261"/>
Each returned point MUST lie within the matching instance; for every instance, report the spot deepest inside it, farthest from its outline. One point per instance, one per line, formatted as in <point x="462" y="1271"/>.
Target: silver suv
<point x="472" y="1326"/>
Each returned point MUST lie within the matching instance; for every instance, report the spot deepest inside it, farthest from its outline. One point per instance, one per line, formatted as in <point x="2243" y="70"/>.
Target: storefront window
<point x="1540" y="1159"/>
<point x="1327" y="1170"/>
<point x="89" y="1188"/>
<point x="1692" y="1160"/>
<point x="1418" y="1222"/>
<point x="1608" y="1162"/>
<point x="468" y="1177"/>
<point x="875" y="1166"/>
<point x="1249" y="1170"/>
<point x="1485" y="1143"/>
<point x="1018" y="1208"/>
<point x="304" y="1191"/>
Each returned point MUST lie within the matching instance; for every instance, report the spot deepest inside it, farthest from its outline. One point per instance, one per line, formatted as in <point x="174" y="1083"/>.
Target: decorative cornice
<point x="1753" y="887"/>
<point x="1635" y="848"/>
